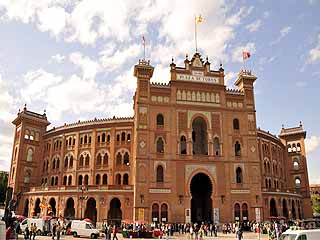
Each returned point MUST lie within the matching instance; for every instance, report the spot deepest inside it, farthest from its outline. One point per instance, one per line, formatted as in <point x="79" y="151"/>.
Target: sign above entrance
<point x="197" y="76"/>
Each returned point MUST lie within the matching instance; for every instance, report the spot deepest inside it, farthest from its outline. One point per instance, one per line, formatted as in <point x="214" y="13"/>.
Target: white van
<point x="313" y="234"/>
<point x="40" y="223"/>
<point x="83" y="228"/>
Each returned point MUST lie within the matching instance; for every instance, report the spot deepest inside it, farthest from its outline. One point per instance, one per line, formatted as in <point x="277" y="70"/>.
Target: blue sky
<point x="75" y="58"/>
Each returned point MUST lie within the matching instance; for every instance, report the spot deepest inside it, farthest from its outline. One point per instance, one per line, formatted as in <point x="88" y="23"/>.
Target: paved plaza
<point x="247" y="235"/>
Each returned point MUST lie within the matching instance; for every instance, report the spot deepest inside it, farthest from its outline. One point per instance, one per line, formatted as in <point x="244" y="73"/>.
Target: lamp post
<point x="83" y="190"/>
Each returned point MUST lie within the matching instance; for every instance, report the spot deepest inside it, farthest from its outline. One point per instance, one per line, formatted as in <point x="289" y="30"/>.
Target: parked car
<point x="42" y="225"/>
<point x="83" y="228"/>
<point x="313" y="234"/>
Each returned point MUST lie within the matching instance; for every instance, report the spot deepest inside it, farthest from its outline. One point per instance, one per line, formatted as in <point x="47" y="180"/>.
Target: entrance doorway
<point x="115" y="213"/>
<point x="91" y="210"/>
<point x="201" y="202"/>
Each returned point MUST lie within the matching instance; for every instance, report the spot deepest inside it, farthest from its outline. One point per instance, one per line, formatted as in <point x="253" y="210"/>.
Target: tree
<point x="3" y="186"/>
<point x="315" y="198"/>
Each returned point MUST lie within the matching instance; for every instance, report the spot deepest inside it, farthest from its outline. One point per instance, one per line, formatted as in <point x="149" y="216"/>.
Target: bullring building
<point x="191" y="153"/>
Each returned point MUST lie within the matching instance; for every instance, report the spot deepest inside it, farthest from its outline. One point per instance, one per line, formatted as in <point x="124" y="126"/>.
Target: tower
<point x="143" y="72"/>
<point x="297" y="172"/>
<point x="27" y="150"/>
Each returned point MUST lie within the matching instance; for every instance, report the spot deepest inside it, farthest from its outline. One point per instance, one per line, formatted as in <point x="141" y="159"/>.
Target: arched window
<point x="29" y="155"/>
<point x="52" y="181"/>
<point x="70" y="141"/>
<point x="216" y="146"/>
<point x="126" y="159"/>
<point x="118" y="179"/>
<point x="125" y="179"/>
<point x="27" y="177"/>
<point x="160" y="145"/>
<point x="65" y="180"/>
<point x="237" y="149"/>
<point x="160" y="177"/>
<point x="118" y="158"/>
<point x="87" y="160"/>
<point x="105" y="179"/>
<point x="80" y="178"/>
<point x="54" y="163"/>
<point x="296" y="164"/>
<point x="66" y="162"/>
<point x="239" y="175"/>
<point x="86" y="180"/>
<point x="108" y="138"/>
<point x="71" y="162"/>
<point x="81" y="160"/>
<point x="273" y="208"/>
<point x="123" y="136"/>
<point x="244" y="212"/>
<point x="199" y="136"/>
<point x="266" y="183"/>
<point x="58" y="163"/>
<point x="81" y="140"/>
<point x="294" y="149"/>
<point x="56" y="181"/>
<point x="183" y="145"/>
<point x="298" y="182"/>
<point x="164" y="212"/>
<point x="265" y="167"/>
<point x="98" y="179"/>
<point x="98" y="139"/>
<point x="155" y="212"/>
<point x="118" y="137"/>
<point x="103" y="137"/>
<point x="289" y="148"/>
<point x="105" y="159"/>
<point x="236" y="125"/>
<point x="298" y="147"/>
<point x="89" y="139"/>
<point x="269" y="183"/>
<point x="128" y="137"/>
<point x="160" y="120"/>
<point x="237" y="212"/>
<point x="70" y="180"/>
<point x="85" y="139"/>
<point x="99" y="159"/>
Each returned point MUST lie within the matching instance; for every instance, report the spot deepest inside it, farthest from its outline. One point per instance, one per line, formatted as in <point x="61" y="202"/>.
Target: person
<point x="34" y="231"/>
<point x="26" y="233"/>
<point x="54" y="228"/>
<point x="239" y="234"/>
<point x="106" y="230"/>
<point x="18" y="229"/>
<point x="115" y="231"/>
<point x="58" y="231"/>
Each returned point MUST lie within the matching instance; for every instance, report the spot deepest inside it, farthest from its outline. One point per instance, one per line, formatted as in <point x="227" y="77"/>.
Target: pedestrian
<point x="58" y="231"/>
<point x="106" y="232"/>
<point x="26" y="233"/>
<point x="17" y="229"/>
<point x="34" y="231"/>
<point x="54" y="228"/>
<point x="115" y="231"/>
<point x="239" y="234"/>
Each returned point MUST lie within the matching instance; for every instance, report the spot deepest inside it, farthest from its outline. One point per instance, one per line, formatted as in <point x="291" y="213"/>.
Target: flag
<point x="199" y="19"/>
<point x="245" y="55"/>
<point x="143" y="41"/>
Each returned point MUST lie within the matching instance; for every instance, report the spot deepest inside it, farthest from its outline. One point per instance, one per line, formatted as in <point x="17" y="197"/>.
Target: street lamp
<point x="83" y="190"/>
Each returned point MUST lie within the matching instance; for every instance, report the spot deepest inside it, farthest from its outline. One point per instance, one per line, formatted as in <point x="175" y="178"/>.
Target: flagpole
<point x="195" y="32"/>
<point x="244" y="67"/>
<point x="144" y="50"/>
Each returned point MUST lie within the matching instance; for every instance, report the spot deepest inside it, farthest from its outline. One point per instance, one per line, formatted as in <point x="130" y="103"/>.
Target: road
<point x="247" y="235"/>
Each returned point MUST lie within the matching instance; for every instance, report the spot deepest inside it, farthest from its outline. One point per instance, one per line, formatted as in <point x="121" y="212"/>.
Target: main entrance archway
<point x="115" y="213"/>
<point x="201" y="202"/>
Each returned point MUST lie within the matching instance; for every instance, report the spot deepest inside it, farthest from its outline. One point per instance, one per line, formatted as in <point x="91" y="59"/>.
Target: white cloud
<point x="283" y="32"/>
<point x="57" y="58"/>
<point x="111" y="60"/>
<point x="301" y="84"/>
<point x="254" y="26"/>
<point x="88" y="66"/>
<point x="37" y="82"/>
<point x="312" y="144"/>
<point x="74" y="94"/>
<point x="6" y="101"/>
<point x="314" y="53"/>
<point x="237" y="52"/>
<point x="161" y="74"/>
<point x="230" y="78"/>
<point x="266" y="14"/>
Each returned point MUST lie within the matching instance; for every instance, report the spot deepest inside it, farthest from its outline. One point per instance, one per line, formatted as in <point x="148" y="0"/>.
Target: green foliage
<point x="315" y="203"/>
<point x="3" y="186"/>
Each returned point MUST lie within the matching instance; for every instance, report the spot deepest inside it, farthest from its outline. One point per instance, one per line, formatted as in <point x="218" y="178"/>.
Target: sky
<point x="75" y="58"/>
